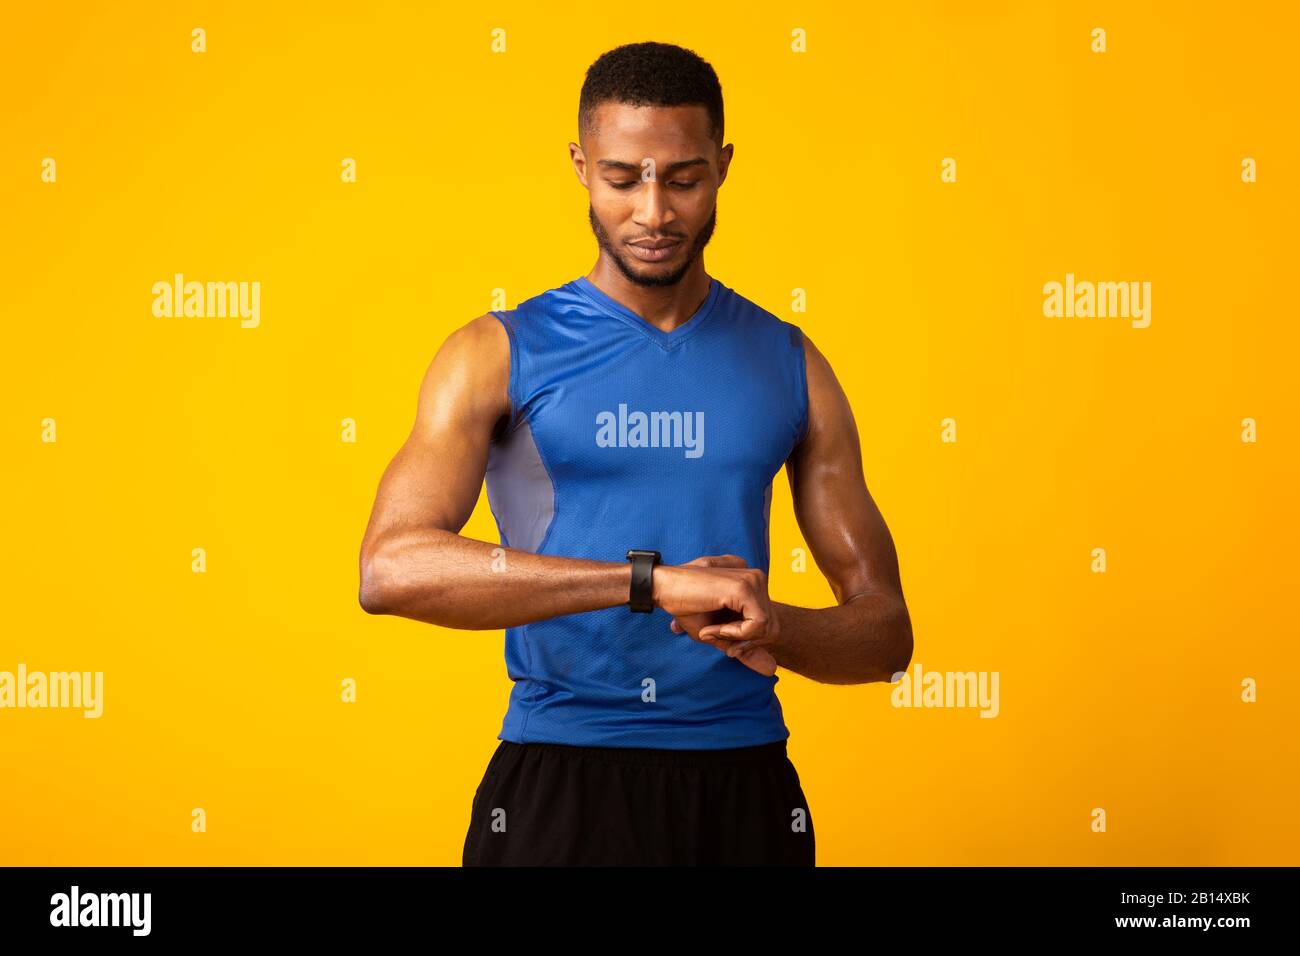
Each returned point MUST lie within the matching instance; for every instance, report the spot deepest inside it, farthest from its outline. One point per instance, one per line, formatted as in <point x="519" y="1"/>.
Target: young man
<point x="629" y="424"/>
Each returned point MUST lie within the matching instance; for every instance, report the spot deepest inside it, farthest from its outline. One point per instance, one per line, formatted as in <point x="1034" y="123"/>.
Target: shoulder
<point x="761" y="321"/>
<point x="537" y="309"/>
<point x="471" y="366"/>
<point x="830" y="416"/>
<point x="476" y="343"/>
<point x="819" y="367"/>
<point x="820" y="376"/>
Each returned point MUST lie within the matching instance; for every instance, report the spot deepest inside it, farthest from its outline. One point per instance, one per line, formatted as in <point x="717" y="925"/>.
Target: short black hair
<point x="651" y="74"/>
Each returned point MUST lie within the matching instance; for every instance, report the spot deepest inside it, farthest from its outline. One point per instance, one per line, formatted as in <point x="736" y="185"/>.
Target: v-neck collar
<point x="663" y="339"/>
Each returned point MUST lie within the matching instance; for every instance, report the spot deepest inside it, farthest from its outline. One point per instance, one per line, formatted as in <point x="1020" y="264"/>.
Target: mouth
<point x="655" y="251"/>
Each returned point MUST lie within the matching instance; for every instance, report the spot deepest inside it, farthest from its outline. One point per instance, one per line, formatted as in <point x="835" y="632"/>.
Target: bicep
<point x="434" y="479"/>
<point x="844" y="529"/>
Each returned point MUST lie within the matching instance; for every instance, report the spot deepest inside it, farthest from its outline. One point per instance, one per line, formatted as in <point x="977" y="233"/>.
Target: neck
<point x="663" y="306"/>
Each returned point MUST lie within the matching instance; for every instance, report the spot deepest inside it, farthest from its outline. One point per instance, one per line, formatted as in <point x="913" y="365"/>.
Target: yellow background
<point x="222" y="690"/>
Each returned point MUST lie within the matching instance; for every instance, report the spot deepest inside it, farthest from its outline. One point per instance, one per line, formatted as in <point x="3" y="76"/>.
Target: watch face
<point x="643" y="563"/>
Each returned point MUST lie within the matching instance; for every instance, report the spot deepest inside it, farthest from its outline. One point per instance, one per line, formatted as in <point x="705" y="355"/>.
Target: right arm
<point x="414" y="563"/>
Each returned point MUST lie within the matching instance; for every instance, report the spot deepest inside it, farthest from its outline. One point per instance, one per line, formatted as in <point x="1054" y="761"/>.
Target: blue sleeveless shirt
<point x="624" y="436"/>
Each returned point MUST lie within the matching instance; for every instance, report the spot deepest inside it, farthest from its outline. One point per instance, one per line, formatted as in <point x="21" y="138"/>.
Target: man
<point x="629" y="424"/>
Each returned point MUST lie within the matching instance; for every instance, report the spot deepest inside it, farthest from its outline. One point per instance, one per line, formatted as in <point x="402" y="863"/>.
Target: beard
<point x="626" y="266"/>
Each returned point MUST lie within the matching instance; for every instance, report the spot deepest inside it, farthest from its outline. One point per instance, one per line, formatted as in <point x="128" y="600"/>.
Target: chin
<point x="660" y="274"/>
<point x="666" y="278"/>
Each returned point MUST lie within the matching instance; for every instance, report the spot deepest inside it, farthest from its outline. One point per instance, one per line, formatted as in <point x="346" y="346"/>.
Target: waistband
<point x="654" y="756"/>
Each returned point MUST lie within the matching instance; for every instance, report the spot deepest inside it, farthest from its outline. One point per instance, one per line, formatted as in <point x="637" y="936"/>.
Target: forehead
<point x="621" y="128"/>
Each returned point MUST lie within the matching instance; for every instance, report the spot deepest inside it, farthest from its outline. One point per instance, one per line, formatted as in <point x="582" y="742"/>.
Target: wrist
<point x="782" y="630"/>
<point x="641" y="596"/>
<point x="657" y="579"/>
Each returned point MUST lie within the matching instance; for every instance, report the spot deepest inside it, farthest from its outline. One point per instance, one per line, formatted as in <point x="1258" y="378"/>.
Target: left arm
<point x="868" y="636"/>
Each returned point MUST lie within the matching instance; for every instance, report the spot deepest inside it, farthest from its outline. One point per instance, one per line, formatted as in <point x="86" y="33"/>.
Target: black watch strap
<point x="641" y="597"/>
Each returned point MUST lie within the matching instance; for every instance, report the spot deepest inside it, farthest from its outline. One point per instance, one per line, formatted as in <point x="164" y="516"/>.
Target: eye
<point x="680" y="184"/>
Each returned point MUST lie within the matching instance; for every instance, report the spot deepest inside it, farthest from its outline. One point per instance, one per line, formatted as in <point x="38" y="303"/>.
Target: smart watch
<point x="641" y="598"/>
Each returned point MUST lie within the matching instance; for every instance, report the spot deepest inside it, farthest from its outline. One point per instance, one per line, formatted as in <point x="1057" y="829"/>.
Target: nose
<point x="653" y="211"/>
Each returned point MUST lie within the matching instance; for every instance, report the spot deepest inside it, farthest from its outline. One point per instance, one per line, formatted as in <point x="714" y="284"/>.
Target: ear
<point x="724" y="162"/>
<point x="579" y="160"/>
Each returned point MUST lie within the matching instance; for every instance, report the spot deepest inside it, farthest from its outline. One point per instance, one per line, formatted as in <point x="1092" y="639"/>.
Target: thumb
<point x="718" y="561"/>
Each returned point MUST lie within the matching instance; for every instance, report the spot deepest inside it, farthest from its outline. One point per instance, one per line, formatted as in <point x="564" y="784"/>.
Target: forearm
<point x="443" y="578"/>
<point x="866" y="639"/>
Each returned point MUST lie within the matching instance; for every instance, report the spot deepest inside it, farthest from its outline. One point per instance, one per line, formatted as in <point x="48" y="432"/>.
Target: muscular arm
<point x="868" y="635"/>
<point x="414" y="563"/>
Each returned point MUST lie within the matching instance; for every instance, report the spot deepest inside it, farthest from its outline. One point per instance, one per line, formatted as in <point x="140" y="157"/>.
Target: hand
<point x="733" y="641"/>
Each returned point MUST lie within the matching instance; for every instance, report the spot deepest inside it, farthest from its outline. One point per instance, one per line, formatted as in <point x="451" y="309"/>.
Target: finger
<point x="714" y="628"/>
<point x="753" y="616"/>
<point x="754" y="657"/>
<point x="718" y="561"/>
<point x="690" y="624"/>
<point x="761" y="661"/>
<point x="715" y="632"/>
<point x="739" y="642"/>
<point x="674" y="626"/>
<point x="754" y="613"/>
<point x="739" y="630"/>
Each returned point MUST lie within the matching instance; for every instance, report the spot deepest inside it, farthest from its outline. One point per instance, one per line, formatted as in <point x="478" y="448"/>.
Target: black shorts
<point x="544" y="804"/>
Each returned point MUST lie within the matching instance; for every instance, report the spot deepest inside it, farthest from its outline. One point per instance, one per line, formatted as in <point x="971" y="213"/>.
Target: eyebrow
<point x="636" y="167"/>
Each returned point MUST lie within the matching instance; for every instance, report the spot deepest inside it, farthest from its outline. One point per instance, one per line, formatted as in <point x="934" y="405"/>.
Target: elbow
<point x="374" y="593"/>
<point x="371" y="597"/>
<point x="903" y="661"/>
<point x="389" y="584"/>
<point x="903" y="644"/>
